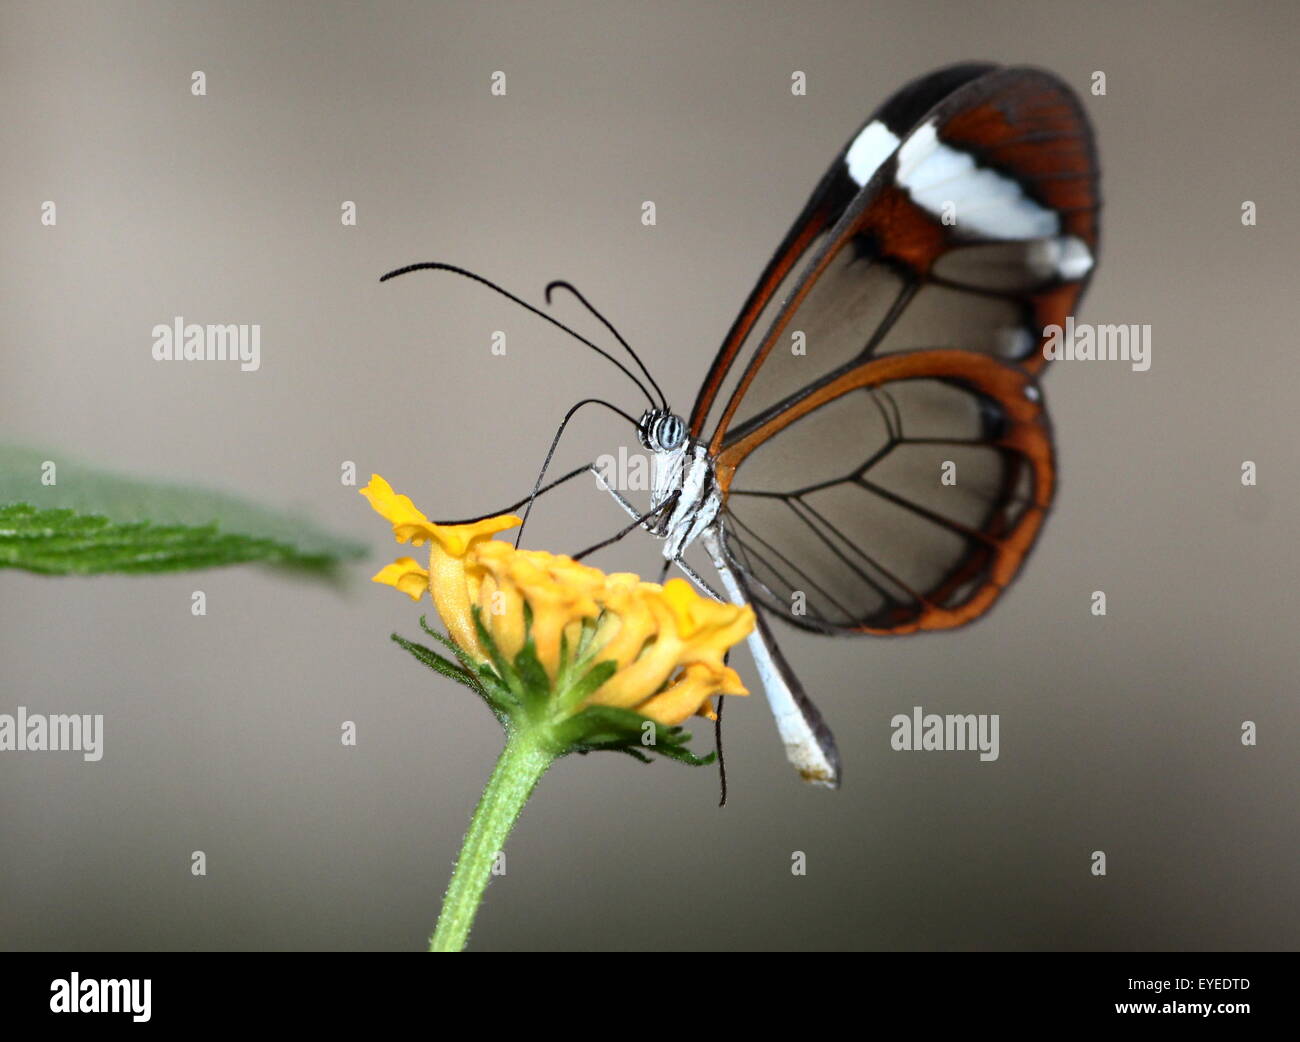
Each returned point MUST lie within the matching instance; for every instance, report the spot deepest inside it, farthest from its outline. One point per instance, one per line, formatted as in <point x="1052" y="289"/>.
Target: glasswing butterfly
<point x="870" y="451"/>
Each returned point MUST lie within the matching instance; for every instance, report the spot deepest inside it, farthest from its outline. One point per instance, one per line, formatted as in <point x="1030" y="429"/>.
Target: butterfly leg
<point x="628" y="508"/>
<point x="697" y="579"/>
<point x="637" y="522"/>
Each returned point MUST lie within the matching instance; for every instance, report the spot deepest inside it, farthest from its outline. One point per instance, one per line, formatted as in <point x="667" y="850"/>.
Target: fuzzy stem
<point x="523" y="762"/>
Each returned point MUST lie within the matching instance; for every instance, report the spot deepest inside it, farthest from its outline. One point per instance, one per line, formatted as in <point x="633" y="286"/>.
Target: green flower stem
<point x="523" y="762"/>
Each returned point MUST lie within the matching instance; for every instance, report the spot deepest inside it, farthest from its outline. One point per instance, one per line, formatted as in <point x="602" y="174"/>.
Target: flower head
<point x="599" y="644"/>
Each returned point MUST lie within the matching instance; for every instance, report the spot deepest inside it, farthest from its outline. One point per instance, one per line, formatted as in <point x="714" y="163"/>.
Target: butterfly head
<point x="660" y="430"/>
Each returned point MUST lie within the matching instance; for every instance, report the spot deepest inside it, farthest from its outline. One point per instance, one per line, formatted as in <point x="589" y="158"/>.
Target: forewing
<point x="978" y="231"/>
<point x="852" y="169"/>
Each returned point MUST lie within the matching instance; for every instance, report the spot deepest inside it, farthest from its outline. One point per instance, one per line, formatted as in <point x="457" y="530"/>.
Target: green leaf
<point x="89" y="521"/>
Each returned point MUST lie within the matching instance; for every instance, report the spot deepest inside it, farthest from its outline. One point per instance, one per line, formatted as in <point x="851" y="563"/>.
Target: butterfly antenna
<point x="437" y="266"/>
<point x="562" y="284"/>
<point x="551" y="452"/>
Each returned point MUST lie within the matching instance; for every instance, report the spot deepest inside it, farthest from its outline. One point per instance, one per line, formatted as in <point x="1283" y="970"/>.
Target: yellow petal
<point x="695" y="615"/>
<point x="406" y="575"/>
<point x="457" y="539"/>
<point x="687" y="629"/>
<point x="641" y="678"/>
<point x="628" y="624"/>
<point x="451" y="594"/>
<point x="410" y="524"/>
<point x="690" y="693"/>
<point x="502" y="609"/>
<point x="707" y="626"/>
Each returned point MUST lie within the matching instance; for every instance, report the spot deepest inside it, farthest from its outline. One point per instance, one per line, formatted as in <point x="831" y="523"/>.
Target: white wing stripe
<point x="985" y="202"/>
<point x="869" y="150"/>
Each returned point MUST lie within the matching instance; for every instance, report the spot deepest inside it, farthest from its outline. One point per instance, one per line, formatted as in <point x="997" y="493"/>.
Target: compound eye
<point x="673" y="432"/>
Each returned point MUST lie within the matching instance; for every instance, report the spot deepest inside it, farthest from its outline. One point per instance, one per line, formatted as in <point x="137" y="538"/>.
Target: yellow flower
<point x="667" y="643"/>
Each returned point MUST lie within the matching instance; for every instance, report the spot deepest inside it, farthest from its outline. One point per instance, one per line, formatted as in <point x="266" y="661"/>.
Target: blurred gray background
<point x="222" y="733"/>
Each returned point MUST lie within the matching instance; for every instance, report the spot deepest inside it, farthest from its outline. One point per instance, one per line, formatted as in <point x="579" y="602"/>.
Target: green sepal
<point x="435" y="661"/>
<point x="636" y="754"/>
<point x="564" y="672"/>
<point x="534" y="682"/>
<point x="587" y="684"/>
<point x="610" y="729"/>
<point x="504" y="670"/>
<point x="492" y="694"/>
<point x="470" y="664"/>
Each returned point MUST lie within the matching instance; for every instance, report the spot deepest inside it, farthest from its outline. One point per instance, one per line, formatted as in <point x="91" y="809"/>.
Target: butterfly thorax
<point x="682" y="472"/>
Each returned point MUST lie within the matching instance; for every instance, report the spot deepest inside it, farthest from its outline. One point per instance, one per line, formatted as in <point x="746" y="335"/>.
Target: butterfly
<point x="870" y="451"/>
